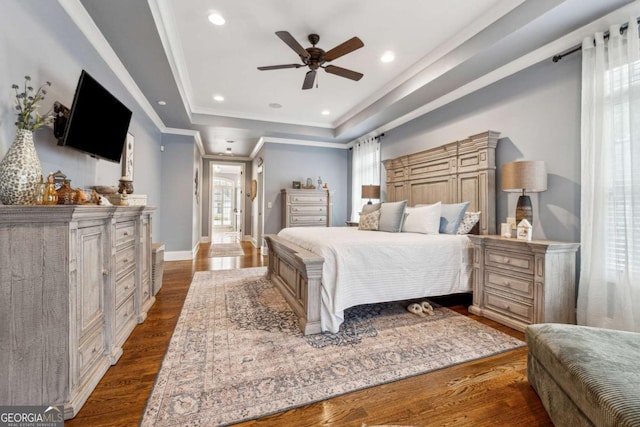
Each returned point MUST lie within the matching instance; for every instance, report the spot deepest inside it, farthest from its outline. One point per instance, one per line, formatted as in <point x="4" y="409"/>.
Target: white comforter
<point x="363" y="267"/>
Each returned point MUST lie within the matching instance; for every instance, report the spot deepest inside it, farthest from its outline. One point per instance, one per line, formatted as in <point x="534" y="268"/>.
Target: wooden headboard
<point x="456" y="172"/>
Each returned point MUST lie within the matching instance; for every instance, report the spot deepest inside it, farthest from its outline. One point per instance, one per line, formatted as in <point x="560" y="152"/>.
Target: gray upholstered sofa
<point x="585" y="376"/>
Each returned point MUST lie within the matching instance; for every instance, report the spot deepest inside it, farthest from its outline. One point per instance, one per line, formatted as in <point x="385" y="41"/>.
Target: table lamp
<point x="370" y="192"/>
<point x="526" y="176"/>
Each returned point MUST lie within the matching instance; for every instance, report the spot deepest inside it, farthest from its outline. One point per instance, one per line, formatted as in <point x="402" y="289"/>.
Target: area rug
<point x="225" y="249"/>
<point x="237" y="353"/>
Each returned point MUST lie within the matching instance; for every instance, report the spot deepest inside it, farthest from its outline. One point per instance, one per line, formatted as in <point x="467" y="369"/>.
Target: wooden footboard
<point x="297" y="273"/>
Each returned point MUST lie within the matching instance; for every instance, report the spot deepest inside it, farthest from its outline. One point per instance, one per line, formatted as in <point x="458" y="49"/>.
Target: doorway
<point x="226" y="220"/>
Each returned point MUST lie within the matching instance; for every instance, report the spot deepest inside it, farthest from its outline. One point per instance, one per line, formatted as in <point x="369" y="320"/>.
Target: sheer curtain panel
<point x="609" y="290"/>
<point x="365" y="170"/>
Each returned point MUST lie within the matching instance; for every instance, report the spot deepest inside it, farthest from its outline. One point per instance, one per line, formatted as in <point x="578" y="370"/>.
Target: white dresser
<point x="306" y="208"/>
<point x="74" y="282"/>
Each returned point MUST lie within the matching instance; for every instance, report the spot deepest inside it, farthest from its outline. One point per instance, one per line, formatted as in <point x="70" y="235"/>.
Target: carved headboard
<point x="456" y="172"/>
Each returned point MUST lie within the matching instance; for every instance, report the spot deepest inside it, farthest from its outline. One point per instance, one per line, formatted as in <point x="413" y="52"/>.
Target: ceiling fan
<point x="314" y="57"/>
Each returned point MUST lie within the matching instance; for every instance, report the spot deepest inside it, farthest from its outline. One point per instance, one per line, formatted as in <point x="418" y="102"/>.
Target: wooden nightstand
<point x="517" y="282"/>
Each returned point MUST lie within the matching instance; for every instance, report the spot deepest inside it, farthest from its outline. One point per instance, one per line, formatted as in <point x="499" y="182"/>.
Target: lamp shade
<point x="524" y="176"/>
<point x="370" y="191"/>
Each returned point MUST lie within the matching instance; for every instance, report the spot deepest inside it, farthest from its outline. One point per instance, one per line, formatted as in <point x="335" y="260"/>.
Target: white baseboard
<point x="178" y="255"/>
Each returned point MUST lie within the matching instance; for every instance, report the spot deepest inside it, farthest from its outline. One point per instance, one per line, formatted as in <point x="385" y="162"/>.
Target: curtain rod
<point x="375" y="137"/>
<point x="559" y="56"/>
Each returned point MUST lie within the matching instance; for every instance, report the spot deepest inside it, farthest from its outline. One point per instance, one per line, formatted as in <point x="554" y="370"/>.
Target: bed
<point x="323" y="271"/>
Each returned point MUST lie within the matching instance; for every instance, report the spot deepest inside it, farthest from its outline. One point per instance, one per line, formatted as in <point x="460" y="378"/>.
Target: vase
<point x="20" y="171"/>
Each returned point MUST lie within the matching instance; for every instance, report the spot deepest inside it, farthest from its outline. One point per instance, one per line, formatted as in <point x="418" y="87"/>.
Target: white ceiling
<point x="440" y="46"/>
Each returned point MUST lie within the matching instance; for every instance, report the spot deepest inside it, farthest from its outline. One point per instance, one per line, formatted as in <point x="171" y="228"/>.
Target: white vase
<point x="20" y="171"/>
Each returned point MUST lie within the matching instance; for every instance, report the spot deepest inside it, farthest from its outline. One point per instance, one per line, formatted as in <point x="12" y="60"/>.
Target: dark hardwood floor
<point x="488" y="392"/>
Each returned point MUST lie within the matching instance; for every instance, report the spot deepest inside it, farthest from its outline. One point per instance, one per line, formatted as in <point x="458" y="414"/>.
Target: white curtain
<point x="365" y="170"/>
<point x="609" y="290"/>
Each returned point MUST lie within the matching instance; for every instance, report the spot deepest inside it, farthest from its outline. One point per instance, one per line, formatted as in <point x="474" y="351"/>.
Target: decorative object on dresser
<point x="80" y="280"/>
<point x="20" y="169"/>
<point x="370" y="192"/>
<point x="518" y="283"/>
<point x="127" y="157"/>
<point x="524" y="230"/>
<point x="306" y="208"/>
<point x="524" y="176"/>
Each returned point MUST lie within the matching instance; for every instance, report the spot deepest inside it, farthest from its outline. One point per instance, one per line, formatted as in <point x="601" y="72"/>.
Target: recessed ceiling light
<point x="388" y="56"/>
<point x="162" y="102"/>
<point x="216" y="19"/>
<point x="218" y="98"/>
<point x="275" y="105"/>
<point x="326" y="112"/>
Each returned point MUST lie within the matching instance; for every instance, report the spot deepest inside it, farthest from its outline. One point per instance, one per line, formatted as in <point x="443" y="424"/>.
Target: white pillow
<point x="423" y="219"/>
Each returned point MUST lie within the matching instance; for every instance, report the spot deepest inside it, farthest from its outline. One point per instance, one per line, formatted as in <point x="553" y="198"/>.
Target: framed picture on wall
<point x="127" y="157"/>
<point x="296" y="184"/>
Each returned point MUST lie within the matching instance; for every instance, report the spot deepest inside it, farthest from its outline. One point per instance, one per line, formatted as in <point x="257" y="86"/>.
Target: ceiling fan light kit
<point x="314" y="58"/>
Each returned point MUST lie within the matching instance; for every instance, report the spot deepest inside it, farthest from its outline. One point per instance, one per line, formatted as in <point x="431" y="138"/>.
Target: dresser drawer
<point x="509" y="284"/>
<point x="513" y="261"/>
<point x="125" y="259"/>
<point x="124" y="232"/>
<point x="310" y="199"/>
<point x="125" y="321"/>
<point x="308" y="210"/>
<point x="125" y="286"/>
<point x="309" y="220"/>
<point x="90" y="350"/>
<point x="509" y="307"/>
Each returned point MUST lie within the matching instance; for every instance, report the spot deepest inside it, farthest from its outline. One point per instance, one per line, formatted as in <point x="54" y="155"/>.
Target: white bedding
<point x="363" y="267"/>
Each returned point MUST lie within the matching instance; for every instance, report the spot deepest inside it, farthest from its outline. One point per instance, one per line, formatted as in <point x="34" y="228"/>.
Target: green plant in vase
<point x="20" y="170"/>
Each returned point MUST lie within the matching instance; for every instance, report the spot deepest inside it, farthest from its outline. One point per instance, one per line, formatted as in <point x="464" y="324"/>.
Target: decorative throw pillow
<point x="468" y="222"/>
<point x="392" y="216"/>
<point x="370" y="208"/>
<point x="369" y="221"/>
<point x="451" y="217"/>
<point x="423" y="219"/>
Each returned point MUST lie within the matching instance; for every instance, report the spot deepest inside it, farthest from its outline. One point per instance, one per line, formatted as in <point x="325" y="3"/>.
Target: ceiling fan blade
<point x="309" y="79"/>
<point x="343" y="72"/>
<point x="344" y="48"/>
<point x="292" y="43"/>
<point x="278" y="67"/>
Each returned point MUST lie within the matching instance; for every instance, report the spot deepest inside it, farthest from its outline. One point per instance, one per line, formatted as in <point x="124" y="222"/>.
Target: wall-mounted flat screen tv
<point x="98" y="122"/>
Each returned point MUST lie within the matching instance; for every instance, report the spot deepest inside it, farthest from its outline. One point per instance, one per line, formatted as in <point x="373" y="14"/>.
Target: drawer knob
<point x="105" y="272"/>
<point x="124" y="261"/>
<point x="507" y="260"/>
<point x="126" y="233"/>
<point x="507" y="284"/>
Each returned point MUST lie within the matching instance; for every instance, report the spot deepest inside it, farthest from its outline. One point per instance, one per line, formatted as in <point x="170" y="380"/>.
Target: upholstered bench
<point x="585" y="376"/>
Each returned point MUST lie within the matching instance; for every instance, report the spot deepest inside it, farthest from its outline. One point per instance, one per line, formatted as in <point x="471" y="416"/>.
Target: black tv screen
<point x="98" y="122"/>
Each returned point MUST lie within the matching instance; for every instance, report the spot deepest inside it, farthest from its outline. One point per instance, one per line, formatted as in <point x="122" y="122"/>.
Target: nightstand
<point x="518" y="282"/>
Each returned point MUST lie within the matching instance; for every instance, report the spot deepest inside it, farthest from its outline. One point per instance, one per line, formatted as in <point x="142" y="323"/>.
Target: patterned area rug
<point x="237" y="353"/>
<point x="225" y="249"/>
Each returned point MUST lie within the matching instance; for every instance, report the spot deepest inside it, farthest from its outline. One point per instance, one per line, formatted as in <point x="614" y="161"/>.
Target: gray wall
<point x="537" y="112"/>
<point x="180" y="213"/>
<point x="38" y="38"/>
<point x="284" y="163"/>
